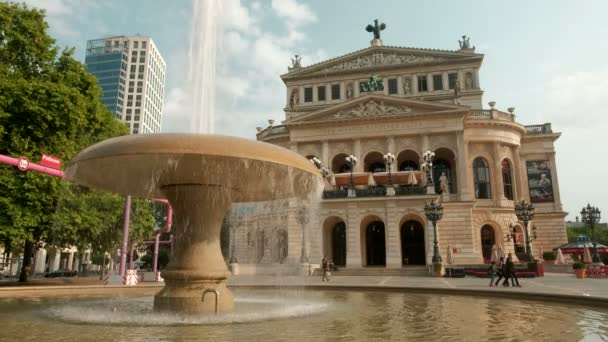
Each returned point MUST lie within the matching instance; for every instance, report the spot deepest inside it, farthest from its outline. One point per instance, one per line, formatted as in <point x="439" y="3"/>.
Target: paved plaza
<point x="553" y="286"/>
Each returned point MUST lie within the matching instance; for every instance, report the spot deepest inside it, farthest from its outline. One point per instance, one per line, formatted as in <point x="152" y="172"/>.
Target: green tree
<point x="49" y="103"/>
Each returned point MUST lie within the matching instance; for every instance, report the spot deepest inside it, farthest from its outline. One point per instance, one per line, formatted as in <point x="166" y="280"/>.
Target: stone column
<point x="445" y="79"/>
<point x="385" y="83"/>
<point x="476" y="79"/>
<point x="426" y="145"/>
<point x="356" y="92"/>
<point x="357" y="153"/>
<point x="76" y="264"/>
<point x="325" y="153"/>
<point x="301" y="95"/>
<point x="393" y="247"/>
<point x="518" y="176"/>
<point x="429" y="83"/>
<point x="353" y="237"/>
<point x="464" y="185"/>
<point x="315" y="93"/>
<point x="342" y="91"/>
<point x="557" y="202"/>
<point x="500" y="188"/>
<point x="414" y="85"/>
<point x="400" y="86"/>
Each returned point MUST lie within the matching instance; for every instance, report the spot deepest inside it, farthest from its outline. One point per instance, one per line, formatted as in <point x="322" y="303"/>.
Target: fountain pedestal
<point x="198" y="263"/>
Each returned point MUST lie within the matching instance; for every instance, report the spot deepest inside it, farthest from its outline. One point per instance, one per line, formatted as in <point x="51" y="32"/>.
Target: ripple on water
<point x="139" y="312"/>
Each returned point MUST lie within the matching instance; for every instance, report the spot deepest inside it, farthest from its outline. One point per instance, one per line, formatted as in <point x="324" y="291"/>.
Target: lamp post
<point x="389" y="159"/>
<point x="352" y="161"/>
<point x="591" y="215"/>
<point x="427" y="165"/>
<point x="525" y="213"/>
<point x="434" y="213"/>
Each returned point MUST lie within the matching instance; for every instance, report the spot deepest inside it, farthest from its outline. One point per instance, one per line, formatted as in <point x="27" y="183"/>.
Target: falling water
<point x="204" y="41"/>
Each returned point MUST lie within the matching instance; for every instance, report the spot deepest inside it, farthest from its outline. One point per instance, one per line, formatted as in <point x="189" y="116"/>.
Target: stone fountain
<point x="200" y="175"/>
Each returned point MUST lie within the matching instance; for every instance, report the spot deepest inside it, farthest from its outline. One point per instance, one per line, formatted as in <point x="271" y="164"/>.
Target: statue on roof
<point x="373" y="84"/>
<point x="376" y="28"/>
<point x="295" y="62"/>
<point x="464" y="43"/>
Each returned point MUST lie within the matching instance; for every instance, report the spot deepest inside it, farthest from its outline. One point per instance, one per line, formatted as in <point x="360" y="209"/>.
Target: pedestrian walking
<point x="492" y="273"/>
<point x="501" y="270"/>
<point x="511" y="272"/>
<point x="325" y="267"/>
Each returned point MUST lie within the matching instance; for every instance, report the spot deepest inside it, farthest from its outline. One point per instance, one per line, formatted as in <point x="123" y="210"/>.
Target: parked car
<point x="61" y="273"/>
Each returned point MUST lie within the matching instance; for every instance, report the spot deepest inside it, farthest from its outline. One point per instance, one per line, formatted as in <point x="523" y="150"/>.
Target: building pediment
<point x="378" y="57"/>
<point x="375" y="106"/>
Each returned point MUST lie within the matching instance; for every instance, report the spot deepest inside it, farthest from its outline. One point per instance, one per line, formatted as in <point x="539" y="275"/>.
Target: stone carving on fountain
<point x="371" y="108"/>
<point x="381" y="59"/>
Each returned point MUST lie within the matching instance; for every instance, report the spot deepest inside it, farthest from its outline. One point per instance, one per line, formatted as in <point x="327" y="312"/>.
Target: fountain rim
<point x="214" y="145"/>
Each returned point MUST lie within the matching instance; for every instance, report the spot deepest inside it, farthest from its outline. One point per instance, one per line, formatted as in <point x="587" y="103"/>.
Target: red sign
<point x="23" y="163"/>
<point x="50" y="161"/>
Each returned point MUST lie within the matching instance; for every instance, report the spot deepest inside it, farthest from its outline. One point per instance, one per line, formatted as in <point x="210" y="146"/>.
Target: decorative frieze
<point x="381" y="59"/>
<point x="371" y="108"/>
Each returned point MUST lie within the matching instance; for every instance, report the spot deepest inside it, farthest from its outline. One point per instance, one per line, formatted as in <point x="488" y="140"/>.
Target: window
<point x="422" y="85"/>
<point x="308" y="94"/>
<point x="133" y="68"/>
<point x="392" y="86"/>
<point x="437" y="82"/>
<point x="144" y="45"/>
<point x="142" y="59"/>
<point x="134" y="53"/>
<point x="507" y="179"/>
<point x="321" y="93"/>
<point x="452" y="79"/>
<point x="135" y="45"/>
<point x="141" y="68"/>
<point x="481" y="173"/>
<point x="335" y="92"/>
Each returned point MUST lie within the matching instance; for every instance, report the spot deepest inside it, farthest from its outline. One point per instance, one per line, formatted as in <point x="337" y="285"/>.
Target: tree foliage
<point x="50" y="104"/>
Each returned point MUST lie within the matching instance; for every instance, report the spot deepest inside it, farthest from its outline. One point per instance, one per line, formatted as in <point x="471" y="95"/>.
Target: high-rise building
<point x="131" y="73"/>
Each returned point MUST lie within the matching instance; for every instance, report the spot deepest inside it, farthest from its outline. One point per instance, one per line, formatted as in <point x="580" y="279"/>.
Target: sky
<point x="546" y="58"/>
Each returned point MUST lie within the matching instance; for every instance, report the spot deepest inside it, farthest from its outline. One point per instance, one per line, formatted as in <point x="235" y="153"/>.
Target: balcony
<point x="367" y="184"/>
<point x="486" y="114"/>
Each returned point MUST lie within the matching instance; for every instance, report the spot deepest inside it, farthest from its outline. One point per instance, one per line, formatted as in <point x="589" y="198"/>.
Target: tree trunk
<point x="27" y="261"/>
<point x="103" y="265"/>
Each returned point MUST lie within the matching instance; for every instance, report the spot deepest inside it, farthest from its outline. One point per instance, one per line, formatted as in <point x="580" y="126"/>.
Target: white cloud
<point x="295" y="13"/>
<point x="63" y="15"/>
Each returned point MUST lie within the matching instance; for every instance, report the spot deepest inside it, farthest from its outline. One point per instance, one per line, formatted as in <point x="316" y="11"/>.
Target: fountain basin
<point x="200" y="175"/>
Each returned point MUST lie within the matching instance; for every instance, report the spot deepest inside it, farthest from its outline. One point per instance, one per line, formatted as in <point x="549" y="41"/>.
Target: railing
<point x="371" y="191"/>
<point x="217" y="297"/>
<point x="410" y="190"/>
<point x="539" y="129"/>
<point x="338" y="193"/>
<point x="485" y="114"/>
<point x="272" y="130"/>
<point x="376" y="191"/>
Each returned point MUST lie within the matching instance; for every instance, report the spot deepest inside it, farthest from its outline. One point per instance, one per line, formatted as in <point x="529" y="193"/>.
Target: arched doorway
<point x="375" y="244"/>
<point x="445" y="163"/>
<point x="407" y="161"/>
<point x="412" y="243"/>
<point x="339" y="164"/>
<point x="374" y="162"/>
<point x="487" y="241"/>
<point x="338" y="244"/>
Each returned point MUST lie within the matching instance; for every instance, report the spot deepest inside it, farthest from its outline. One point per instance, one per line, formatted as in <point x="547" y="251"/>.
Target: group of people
<point x="504" y="270"/>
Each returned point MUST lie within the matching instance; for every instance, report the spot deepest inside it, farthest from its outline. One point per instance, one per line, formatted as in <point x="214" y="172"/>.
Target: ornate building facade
<point x="418" y="100"/>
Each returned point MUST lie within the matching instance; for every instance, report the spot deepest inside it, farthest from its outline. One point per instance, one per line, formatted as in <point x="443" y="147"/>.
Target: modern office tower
<point x="131" y="73"/>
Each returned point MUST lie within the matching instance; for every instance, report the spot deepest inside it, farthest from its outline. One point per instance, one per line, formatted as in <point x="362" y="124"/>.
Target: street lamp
<point x="427" y="165"/>
<point x="434" y="213"/>
<point x="389" y="159"/>
<point x="525" y="213"/>
<point x="352" y="161"/>
<point x="316" y="162"/>
<point x="591" y="215"/>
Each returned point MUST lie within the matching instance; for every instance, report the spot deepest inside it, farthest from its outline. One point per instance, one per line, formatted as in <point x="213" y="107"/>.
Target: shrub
<point x="549" y="256"/>
<point x="578" y="266"/>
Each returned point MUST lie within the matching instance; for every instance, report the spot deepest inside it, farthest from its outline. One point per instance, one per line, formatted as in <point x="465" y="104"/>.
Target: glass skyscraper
<point x="131" y="73"/>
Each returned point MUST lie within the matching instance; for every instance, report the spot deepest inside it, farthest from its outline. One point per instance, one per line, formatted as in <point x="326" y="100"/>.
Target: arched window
<point x="408" y="165"/>
<point x="507" y="180"/>
<point x="487" y="241"/>
<point x="481" y="173"/>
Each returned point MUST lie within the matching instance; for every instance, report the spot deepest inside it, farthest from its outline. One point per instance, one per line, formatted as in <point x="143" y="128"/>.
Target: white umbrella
<point x="411" y="179"/>
<point x="370" y="180"/>
<point x="559" y="260"/>
<point x="587" y="256"/>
